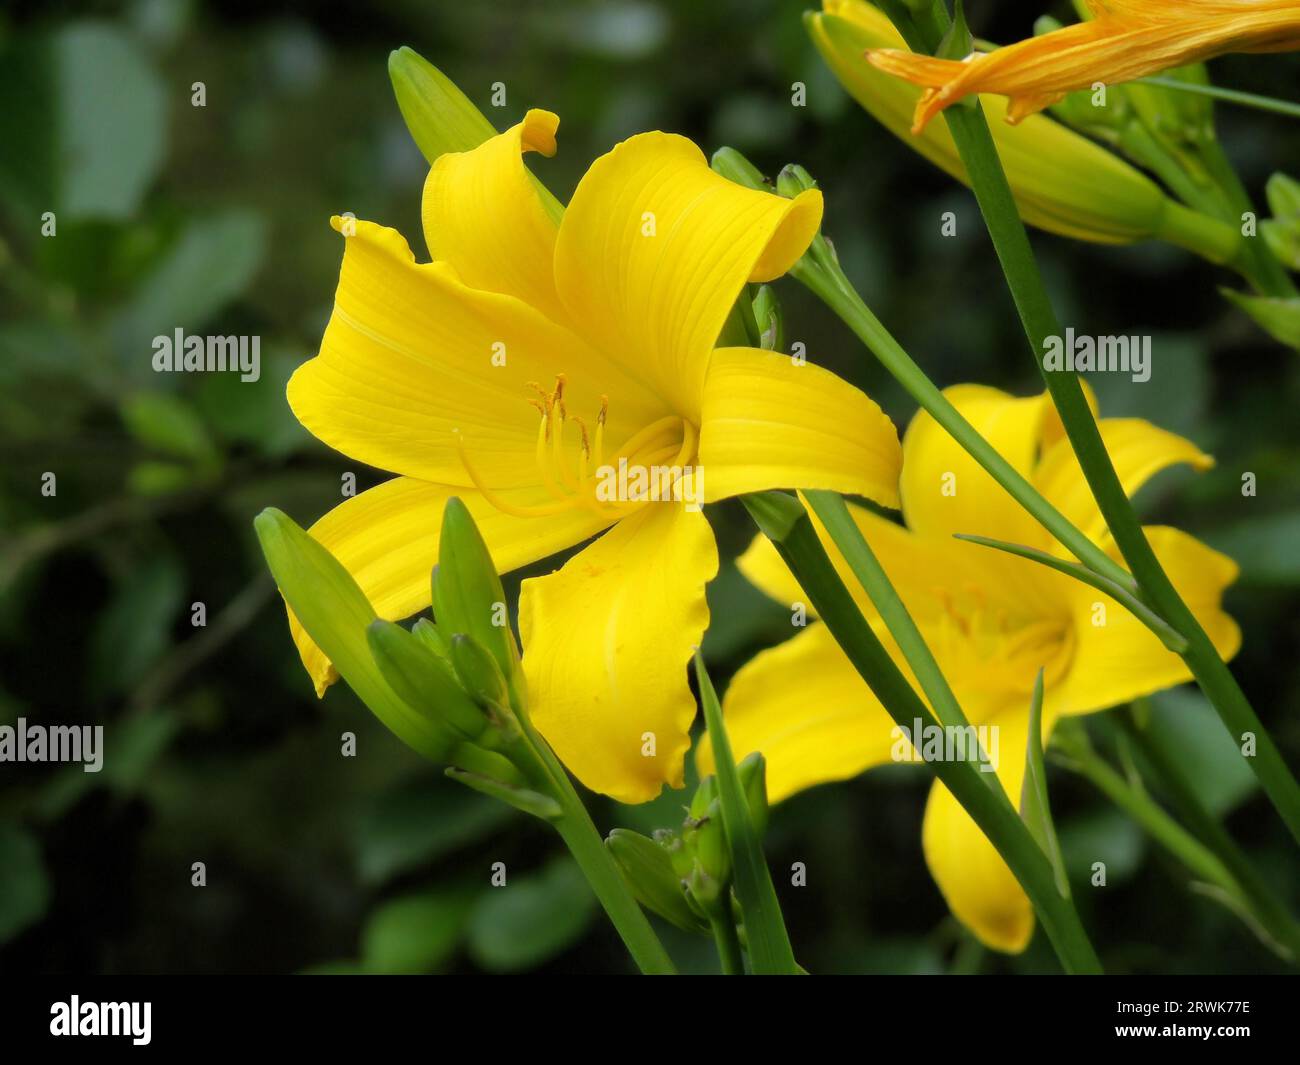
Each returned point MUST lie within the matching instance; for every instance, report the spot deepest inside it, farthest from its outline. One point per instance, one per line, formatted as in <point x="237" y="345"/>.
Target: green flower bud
<point x="770" y="319"/>
<point x="427" y="633"/>
<point x="423" y="681"/>
<point x="753" y="781"/>
<point x="440" y="117"/>
<point x="654" y="881"/>
<point x="793" y="180"/>
<point x="735" y="167"/>
<point x="336" y="613"/>
<point x="467" y="593"/>
<point x="480" y="676"/>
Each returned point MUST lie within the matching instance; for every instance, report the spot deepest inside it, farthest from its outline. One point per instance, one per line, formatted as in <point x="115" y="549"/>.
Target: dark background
<point x="216" y="219"/>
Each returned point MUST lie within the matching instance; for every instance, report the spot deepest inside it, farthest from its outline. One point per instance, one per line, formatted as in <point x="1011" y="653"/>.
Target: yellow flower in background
<point x="1126" y="40"/>
<point x="1062" y="181"/>
<point x="542" y="349"/>
<point x="991" y="619"/>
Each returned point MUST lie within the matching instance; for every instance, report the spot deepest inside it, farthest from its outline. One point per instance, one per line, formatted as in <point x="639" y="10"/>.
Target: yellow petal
<point x="1138" y="450"/>
<point x="945" y="491"/>
<point x="1120" y="659"/>
<point x="804" y="706"/>
<point x="976" y="883"/>
<point x="654" y="249"/>
<point x="484" y="215"/>
<point x="412" y="355"/>
<point x="606" y="642"/>
<point x="387" y="538"/>
<point x="769" y="423"/>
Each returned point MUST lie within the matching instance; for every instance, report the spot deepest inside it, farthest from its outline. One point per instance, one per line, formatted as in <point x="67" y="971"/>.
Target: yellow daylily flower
<point x="1125" y="40"/>
<point x="1062" y="181"/>
<point x="540" y="351"/>
<point x="991" y="619"/>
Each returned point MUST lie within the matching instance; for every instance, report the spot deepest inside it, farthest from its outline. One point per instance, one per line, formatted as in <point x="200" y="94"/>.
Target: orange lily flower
<point x="1126" y="40"/>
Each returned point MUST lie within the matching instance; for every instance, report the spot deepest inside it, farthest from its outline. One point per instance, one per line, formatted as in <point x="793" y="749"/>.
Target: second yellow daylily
<point x="540" y="347"/>
<point x="1125" y="40"/>
<point x="993" y="621"/>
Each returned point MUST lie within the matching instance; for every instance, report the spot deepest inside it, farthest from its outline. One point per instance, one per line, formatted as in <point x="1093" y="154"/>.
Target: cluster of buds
<point x="685" y="875"/>
<point x="452" y="687"/>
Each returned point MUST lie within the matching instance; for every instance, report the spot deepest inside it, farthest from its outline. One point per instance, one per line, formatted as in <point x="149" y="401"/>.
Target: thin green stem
<point x="784" y="521"/>
<point x="848" y="537"/>
<point x="769" y="943"/>
<point x="1082" y="759"/>
<point x="728" y="943"/>
<point x="1232" y="96"/>
<point x="580" y="835"/>
<point x="975" y="144"/>
<point x="837" y="293"/>
<point x="1171" y="778"/>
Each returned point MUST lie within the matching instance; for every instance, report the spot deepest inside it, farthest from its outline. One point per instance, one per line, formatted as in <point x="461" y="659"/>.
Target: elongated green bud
<point x="770" y="318"/>
<point x="428" y="633"/>
<point x="335" y="613"/>
<point x="422" y="680"/>
<point x="753" y="780"/>
<point x="467" y="593"/>
<point x="649" y="872"/>
<point x="793" y="180"/>
<point x="479" y="674"/>
<point x="440" y="117"/>
<point x="735" y="167"/>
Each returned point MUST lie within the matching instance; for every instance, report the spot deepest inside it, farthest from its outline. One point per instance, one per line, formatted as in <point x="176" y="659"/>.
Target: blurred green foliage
<point x="215" y="219"/>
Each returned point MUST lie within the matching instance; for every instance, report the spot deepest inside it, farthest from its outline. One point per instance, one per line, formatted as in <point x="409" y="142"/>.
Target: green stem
<point x="580" y="835"/>
<point x="975" y="144"/>
<point x="769" y="943"/>
<point x="728" y="942"/>
<point x="848" y="537"/>
<point x="1080" y="756"/>
<point x="838" y="294"/>
<point x="784" y="521"/>
<point x="1172" y="779"/>
<point x="1232" y="96"/>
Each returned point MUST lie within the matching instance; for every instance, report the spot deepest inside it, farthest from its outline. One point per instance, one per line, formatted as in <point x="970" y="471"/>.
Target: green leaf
<point x="531" y="919"/>
<point x="24" y="887"/>
<point x="168" y="423"/>
<point x="523" y="799"/>
<point x="1183" y="721"/>
<point x="1283" y="192"/>
<point x="769" y="944"/>
<point x="414" y="933"/>
<point x="1265" y="547"/>
<point x="135" y="629"/>
<point x="211" y="263"/>
<point x="1034" y="806"/>
<point x="85" y="122"/>
<point x="420" y="821"/>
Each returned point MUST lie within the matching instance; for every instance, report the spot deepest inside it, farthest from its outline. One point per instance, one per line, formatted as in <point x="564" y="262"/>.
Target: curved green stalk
<point x="1172" y="779"/>
<point x="1231" y="96"/>
<point x="576" y="828"/>
<point x="830" y="284"/>
<point x="979" y="155"/>
<point x="728" y="943"/>
<point x="769" y="944"/>
<point x="785" y="522"/>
